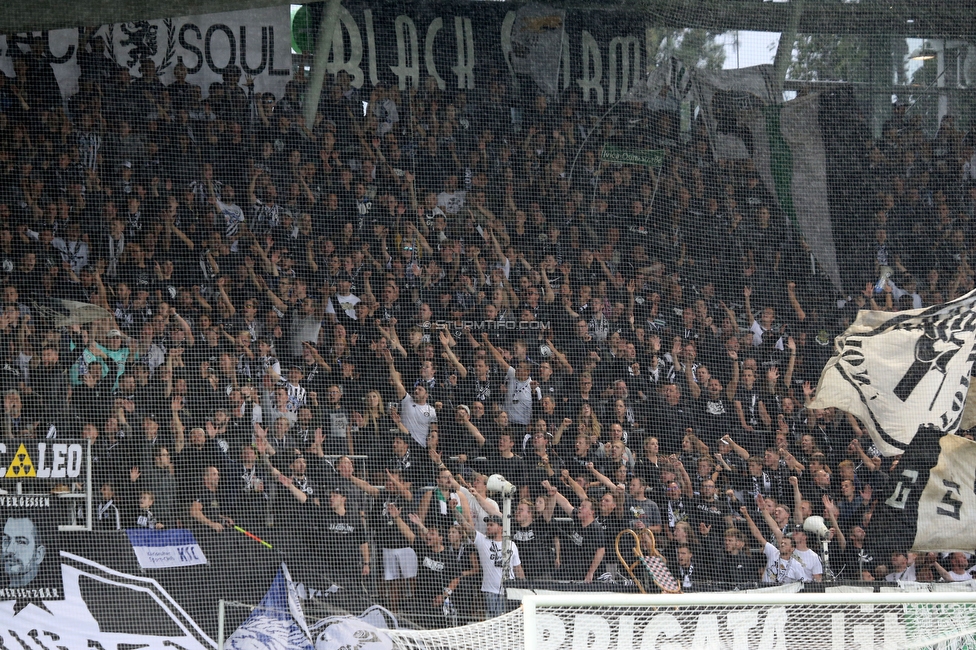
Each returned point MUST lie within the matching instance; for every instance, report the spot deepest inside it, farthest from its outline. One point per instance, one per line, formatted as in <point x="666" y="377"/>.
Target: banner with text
<point x="599" y="53"/>
<point x="623" y="156"/>
<point x="31" y="573"/>
<point x="258" y="41"/>
<point x="42" y="464"/>
<point x="165" y="549"/>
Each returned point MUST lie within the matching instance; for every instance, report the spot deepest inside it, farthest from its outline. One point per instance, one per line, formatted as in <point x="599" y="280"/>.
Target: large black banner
<point x="464" y="46"/>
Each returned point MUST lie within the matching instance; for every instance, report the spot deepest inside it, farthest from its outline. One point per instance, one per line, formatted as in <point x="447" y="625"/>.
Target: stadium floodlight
<point x="815" y="525"/>
<point x="497" y="483"/>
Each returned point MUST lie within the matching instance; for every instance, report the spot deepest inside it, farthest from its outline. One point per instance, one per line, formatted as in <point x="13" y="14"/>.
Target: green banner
<point x="646" y="157"/>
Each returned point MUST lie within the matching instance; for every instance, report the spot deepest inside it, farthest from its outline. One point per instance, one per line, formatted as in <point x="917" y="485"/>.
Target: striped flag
<point x="278" y="623"/>
<point x="788" y="152"/>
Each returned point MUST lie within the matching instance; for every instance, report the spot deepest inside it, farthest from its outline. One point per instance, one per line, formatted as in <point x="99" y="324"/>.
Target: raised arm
<point x="390" y="334"/>
<point x="747" y="294"/>
<point x="752" y="526"/>
<point x="738" y="449"/>
<point x="686" y="483"/>
<point x="176" y="423"/>
<point x="395" y="377"/>
<point x="832" y="511"/>
<point x="605" y="481"/>
<point x="288" y="483"/>
<point x="555" y="498"/>
<point x="400" y="486"/>
<point x="573" y="485"/>
<point x="495" y="353"/>
<point x="475" y="432"/>
<point x="403" y="526"/>
<point x="365" y="486"/>
<point x="693" y="386"/>
<point x="794" y="302"/>
<point x="449" y="355"/>
<point x="560" y="357"/>
<point x="733" y="386"/>
<point x="489" y="506"/>
<point x="773" y="526"/>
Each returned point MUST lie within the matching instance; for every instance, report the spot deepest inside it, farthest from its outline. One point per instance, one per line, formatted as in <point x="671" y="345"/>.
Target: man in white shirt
<point x="903" y="569"/>
<point x="957" y="568"/>
<point x="781" y="567"/>
<point x="451" y="200"/>
<point x="415" y="411"/>
<point x="762" y="326"/>
<point x="492" y="561"/>
<point x="73" y="250"/>
<point x="518" y="395"/>
<point x="343" y="299"/>
<point x="808" y="558"/>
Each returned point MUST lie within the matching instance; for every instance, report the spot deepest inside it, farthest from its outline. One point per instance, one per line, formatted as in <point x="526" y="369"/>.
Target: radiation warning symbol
<point x="21" y="466"/>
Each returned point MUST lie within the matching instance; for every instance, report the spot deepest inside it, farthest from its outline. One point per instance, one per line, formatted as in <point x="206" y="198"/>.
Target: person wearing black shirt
<point x="209" y="509"/>
<point x="539" y="465"/>
<point x="736" y="565"/>
<point x="438" y="571"/>
<point x="581" y="458"/>
<point x="582" y="540"/>
<point x="477" y="385"/>
<point x="715" y="404"/>
<point x="192" y="459"/>
<point x="505" y="461"/>
<point x="535" y="542"/>
<point x="670" y="417"/>
<point x="251" y="502"/>
<point x="710" y="508"/>
<point x="399" y="558"/>
<point x="343" y="533"/>
<point x="107" y="515"/>
<point x="145" y="517"/>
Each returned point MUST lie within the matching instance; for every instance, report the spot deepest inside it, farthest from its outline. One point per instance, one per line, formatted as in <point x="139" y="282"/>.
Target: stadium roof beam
<point x="946" y="19"/>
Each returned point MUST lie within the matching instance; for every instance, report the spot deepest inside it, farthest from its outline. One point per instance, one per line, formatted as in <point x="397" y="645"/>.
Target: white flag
<point x="900" y="371"/>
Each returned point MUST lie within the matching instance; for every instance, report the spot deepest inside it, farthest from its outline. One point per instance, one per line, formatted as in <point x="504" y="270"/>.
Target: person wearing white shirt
<point x="416" y="413"/>
<point x="343" y="299"/>
<point x="492" y="561"/>
<point x="781" y="565"/>
<point x="518" y="395"/>
<point x="808" y="558"/>
<point x="73" y="249"/>
<point x="903" y="569"/>
<point x="957" y="571"/>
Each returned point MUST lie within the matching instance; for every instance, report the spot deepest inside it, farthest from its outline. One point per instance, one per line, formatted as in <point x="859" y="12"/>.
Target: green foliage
<point x="696" y="48"/>
<point x="926" y="75"/>
<point x="824" y="57"/>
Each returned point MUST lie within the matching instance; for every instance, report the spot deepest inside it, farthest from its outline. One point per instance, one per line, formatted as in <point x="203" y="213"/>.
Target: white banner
<point x="258" y="41"/>
<point x="898" y="372"/>
<point x="947" y="507"/>
<point x="165" y="549"/>
<point x="79" y="623"/>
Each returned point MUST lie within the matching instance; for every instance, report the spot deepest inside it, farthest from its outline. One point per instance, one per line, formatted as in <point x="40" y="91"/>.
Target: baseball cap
<point x="493" y="519"/>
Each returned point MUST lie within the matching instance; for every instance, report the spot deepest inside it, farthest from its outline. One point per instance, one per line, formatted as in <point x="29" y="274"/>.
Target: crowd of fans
<point x="330" y="336"/>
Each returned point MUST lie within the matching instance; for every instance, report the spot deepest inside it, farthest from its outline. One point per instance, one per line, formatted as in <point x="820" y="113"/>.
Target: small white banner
<point x="165" y="549"/>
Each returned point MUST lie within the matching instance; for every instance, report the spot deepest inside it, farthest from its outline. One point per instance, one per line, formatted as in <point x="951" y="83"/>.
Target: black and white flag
<point x="898" y="372"/>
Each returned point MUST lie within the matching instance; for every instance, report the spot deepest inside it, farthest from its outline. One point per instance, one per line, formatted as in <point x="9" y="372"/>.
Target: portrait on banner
<point x="29" y="551"/>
